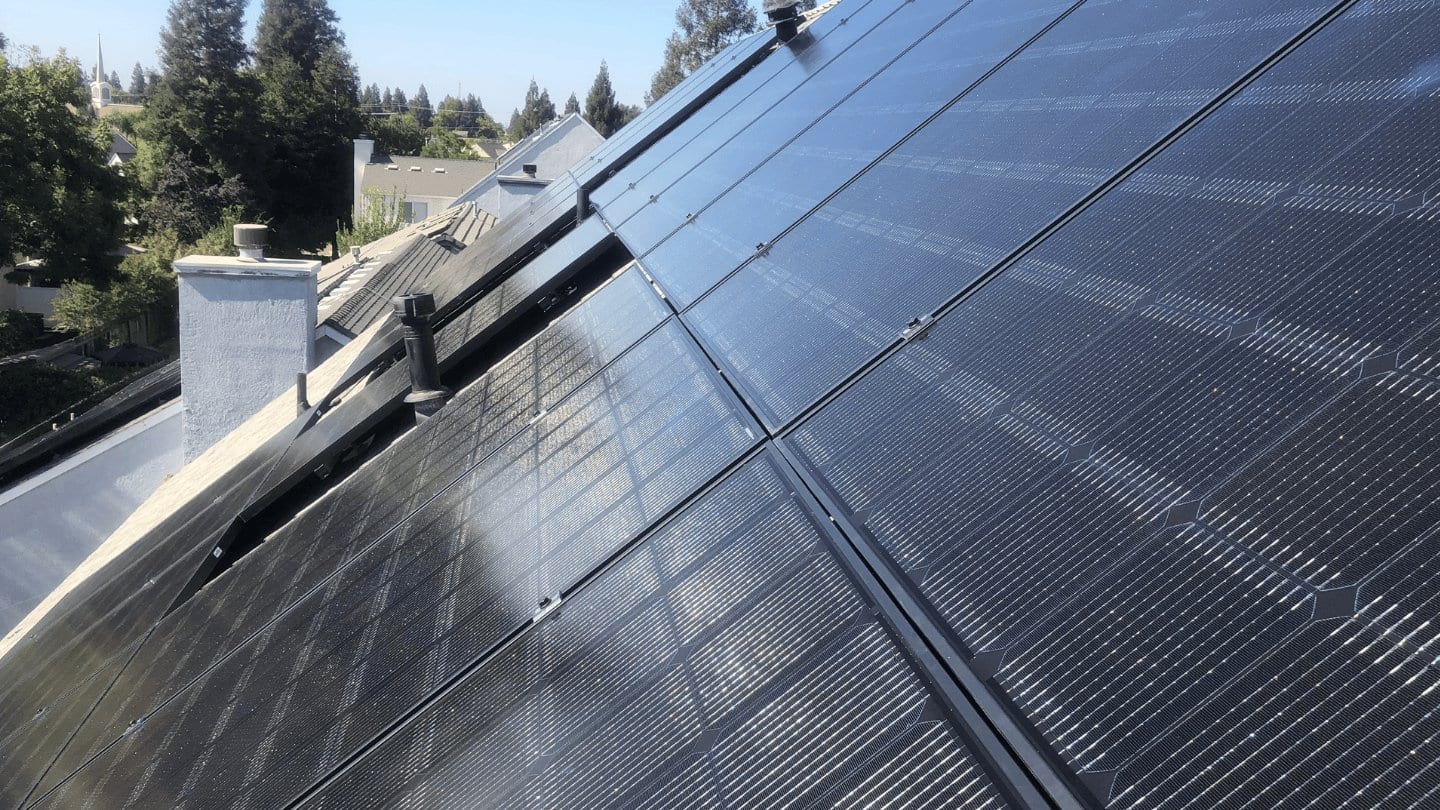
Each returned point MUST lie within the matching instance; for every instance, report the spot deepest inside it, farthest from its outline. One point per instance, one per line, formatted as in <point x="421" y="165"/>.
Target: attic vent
<point x="414" y="168"/>
<point x="392" y="168"/>
<point x="438" y="170"/>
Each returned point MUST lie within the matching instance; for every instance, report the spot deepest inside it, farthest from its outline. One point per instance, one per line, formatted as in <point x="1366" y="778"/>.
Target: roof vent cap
<point x="785" y="16"/>
<point x="251" y="240"/>
<point x="438" y="170"/>
<point x="414" y="168"/>
<point x="529" y="168"/>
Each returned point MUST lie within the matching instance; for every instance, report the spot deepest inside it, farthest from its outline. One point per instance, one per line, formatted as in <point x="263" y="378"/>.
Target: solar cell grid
<point x="1241" y="485"/>
<point x="962" y="193"/>
<point x="436" y="593"/>
<point x="839" y="123"/>
<point x="479" y="419"/>
<point x="627" y="697"/>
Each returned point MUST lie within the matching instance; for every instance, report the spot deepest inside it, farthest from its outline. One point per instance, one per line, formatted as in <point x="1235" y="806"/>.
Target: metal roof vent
<point x="392" y="168"/>
<point x="786" y="17"/>
<point x="251" y="241"/>
<point x="426" y="392"/>
<point x="529" y="168"/>
<point x="438" y="170"/>
<point x="415" y="168"/>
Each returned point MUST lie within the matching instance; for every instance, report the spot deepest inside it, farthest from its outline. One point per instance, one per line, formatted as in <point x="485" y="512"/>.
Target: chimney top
<point x="251" y="240"/>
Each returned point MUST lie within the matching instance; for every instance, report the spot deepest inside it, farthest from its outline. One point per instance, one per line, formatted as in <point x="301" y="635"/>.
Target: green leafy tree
<point x="200" y="125"/>
<point x="451" y="114"/>
<point x="381" y="214"/>
<point x="397" y="134"/>
<point x="58" y="199"/>
<point x="702" y="29"/>
<point x="572" y="105"/>
<point x="601" y="108"/>
<point x="401" y="104"/>
<point x="370" y="99"/>
<point x="514" y="126"/>
<point x="18" y="331"/>
<point x="307" y="103"/>
<point x="387" y="101"/>
<point x="447" y="145"/>
<point x="420" y="104"/>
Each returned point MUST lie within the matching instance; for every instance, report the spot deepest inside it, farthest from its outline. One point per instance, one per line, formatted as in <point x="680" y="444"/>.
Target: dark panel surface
<point x="974" y="184"/>
<point x="904" y="69"/>
<point x="431" y="596"/>
<point x="302" y="554"/>
<point x="1168" y="479"/>
<point x="725" y="662"/>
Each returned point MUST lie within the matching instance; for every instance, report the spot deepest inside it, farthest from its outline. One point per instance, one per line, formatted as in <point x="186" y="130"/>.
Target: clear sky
<point x="485" y="47"/>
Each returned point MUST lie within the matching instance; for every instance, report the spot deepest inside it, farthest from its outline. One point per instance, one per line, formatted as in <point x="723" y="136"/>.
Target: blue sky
<point x="483" y="47"/>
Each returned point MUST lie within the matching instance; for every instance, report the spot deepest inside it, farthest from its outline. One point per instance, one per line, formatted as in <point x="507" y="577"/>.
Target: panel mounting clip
<point x="548" y="605"/>
<point x="917" y="327"/>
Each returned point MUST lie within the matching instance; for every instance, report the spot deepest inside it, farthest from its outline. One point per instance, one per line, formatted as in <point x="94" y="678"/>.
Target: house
<point x="939" y="405"/>
<point x="430" y="185"/>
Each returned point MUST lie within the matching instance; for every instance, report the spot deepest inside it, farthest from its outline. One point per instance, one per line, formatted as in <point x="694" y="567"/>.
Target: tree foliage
<point x="58" y="199"/>
<point x="18" y="331"/>
<point x="447" y="145"/>
<point x="702" y="29"/>
<point x="307" y="104"/>
<point x="137" y="82"/>
<point x="397" y="134"/>
<point x="420" y="104"/>
<point x="572" y="105"/>
<point x="538" y="111"/>
<point x="380" y="215"/>
<point x="602" y="110"/>
<point x="201" y="147"/>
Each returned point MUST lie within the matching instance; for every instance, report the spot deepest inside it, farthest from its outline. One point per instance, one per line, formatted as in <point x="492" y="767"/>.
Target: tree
<point x="370" y="99"/>
<point x="572" y="105"/>
<point x="137" y="82"/>
<point x="601" y="109"/>
<point x="380" y="215"/>
<point x="200" y="141"/>
<point x="58" y="199"/>
<point x="387" y="101"/>
<point x="307" y="103"/>
<point x="702" y="29"/>
<point x="397" y="134"/>
<point x="401" y="105"/>
<point x="447" y="145"/>
<point x="514" y="125"/>
<point x="421" y="105"/>
<point x="538" y="111"/>
<point x="115" y="80"/>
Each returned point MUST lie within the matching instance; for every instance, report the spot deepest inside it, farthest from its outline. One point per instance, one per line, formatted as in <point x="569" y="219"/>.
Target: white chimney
<point x="247" y="327"/>
<point x="364" y="149"/>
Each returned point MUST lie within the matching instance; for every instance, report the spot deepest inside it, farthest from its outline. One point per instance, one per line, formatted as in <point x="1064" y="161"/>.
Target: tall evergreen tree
<point x="601" y="108"/>
<point x="137" y="82"/>
<point x="387" y="101"/>
<point x="114" y="80"/>
<point x="538" y="111"/>
<point x="702" y="29"/>
<point x="202" y="150"/>
<point x="421" y="105"/>
<point x="514" y="126"/>
<point x="572" y="105"/>
<point x="370" y="99"/>
<point x="401" y="105"/>
<point x="308" y="104"/>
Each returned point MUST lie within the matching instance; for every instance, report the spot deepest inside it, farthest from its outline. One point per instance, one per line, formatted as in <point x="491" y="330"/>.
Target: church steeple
<point x="100" y="89"/>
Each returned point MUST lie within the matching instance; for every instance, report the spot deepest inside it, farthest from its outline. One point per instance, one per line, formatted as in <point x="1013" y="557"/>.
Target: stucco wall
<point x="246" y="331"/>
<point x="51" y="521"/>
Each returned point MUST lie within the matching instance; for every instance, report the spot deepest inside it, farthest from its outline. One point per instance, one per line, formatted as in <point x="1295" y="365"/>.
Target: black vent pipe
<point x="426" y="392"/>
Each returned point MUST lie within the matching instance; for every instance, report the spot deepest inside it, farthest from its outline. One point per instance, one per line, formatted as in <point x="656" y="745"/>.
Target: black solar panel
<point x="298" y="557"/>
<point x="972" y="185"/>
<point x="1181" y="430"/>
<point x="422" y="601"/>
<point x="630" y="694"/>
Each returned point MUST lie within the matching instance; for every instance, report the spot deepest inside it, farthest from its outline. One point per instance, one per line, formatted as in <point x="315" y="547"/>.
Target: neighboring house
<point x="122" y="151"/>
<point x="976" y="406"/>
<point x="428" y="185"/>
<point x="530" y="165"/>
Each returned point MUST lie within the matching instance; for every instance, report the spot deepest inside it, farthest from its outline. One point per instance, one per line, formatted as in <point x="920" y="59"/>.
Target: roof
<point x="424" y="177"/>
<point x="553" y="150"/>
<point x="361" y="297"/>
<point x="121" y="146"/>
<point x="1063" y="436"/>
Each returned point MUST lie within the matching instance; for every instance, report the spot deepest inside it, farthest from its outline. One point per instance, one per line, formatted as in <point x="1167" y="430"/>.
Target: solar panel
<point x="477" y="421"/>
<point x="629" y="695"/>
<point x="1023" y="146"/>
<point x="1182" y="427"/>
<point x="424" y="600"/>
